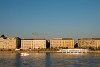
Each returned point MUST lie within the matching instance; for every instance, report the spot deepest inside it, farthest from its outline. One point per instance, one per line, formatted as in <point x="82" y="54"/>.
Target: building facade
<point x="62" y="43"/>
<point x="33" y="44"/>
<point x="9" y="43"/>
<point x="89" y="43"/>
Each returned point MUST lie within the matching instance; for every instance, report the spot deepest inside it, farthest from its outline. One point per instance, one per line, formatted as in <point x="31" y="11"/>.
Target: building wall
<point x="98" y="44"/>
<point x="26" y="44"/>
<point x="8" y="43"/>
<point x="86" y="43"/>
<point x="39" y="44"/>
<point x="1" y="43"/>
<point x="69" y="43"/>
<point x="33" y="44"/>
<point x="54" y="43"/>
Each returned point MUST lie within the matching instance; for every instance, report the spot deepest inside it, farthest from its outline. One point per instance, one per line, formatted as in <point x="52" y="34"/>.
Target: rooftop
<point x="32" y="39"/>
<point x="62" y="39"/>
<point x="89" y="39"/>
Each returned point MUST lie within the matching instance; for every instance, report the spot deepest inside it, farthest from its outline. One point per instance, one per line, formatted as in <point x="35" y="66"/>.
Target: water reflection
<point x="18" y="60"/>
<point x="49" y="60"/>
<point x="7" y="59"/>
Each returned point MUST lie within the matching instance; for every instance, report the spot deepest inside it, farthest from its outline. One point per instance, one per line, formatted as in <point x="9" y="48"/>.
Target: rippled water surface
<point x="49" y="60"/>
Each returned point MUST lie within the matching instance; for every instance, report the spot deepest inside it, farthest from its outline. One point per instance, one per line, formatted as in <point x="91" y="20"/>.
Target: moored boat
<point x="73" y="51"/>
<point x="24" y="54"/>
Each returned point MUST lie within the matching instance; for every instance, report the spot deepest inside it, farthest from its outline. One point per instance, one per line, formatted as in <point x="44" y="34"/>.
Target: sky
<point x="50" y="18"/>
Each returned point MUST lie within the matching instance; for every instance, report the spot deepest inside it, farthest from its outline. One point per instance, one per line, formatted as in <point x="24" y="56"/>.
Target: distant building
<point x="89" y="43"/>
<point x="9" y="43"/>
<point x="33" y="44"/>
<point x="62" y="43"/>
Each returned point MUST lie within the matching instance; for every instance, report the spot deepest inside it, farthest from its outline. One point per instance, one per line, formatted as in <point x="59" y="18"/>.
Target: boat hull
<point x="73" y="51"/>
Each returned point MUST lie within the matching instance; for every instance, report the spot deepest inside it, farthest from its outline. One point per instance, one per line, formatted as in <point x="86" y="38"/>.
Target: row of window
<point x="32" y="42"/>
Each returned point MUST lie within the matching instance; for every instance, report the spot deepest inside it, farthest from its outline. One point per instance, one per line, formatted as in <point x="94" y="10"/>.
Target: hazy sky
<point x="54" y="18"/>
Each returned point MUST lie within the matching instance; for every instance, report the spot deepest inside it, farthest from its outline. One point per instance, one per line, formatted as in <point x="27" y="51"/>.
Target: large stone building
<point x="62" y="43"/>
<point x="9" y="43"/>
<point x="33" y="44"/>
<point x="89" y="43"/>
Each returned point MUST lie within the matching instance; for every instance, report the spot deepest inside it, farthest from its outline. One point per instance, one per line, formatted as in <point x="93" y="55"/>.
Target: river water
<point x="49" y="60"/>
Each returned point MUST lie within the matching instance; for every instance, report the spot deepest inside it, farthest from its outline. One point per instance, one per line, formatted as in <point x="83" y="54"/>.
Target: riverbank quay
<point x="96" y="51"/>
<point x="30" y="51"/>
<point x="41" y="51"/>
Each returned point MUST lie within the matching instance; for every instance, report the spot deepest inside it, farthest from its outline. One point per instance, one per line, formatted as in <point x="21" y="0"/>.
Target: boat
<point x="17" y="49"/>
<point x="24" y="54"/>
<point x="73" y="51"/>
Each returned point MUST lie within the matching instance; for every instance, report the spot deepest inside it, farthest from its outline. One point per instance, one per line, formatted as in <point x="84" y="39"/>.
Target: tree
<point x="76" y="45"/>
<point x="3" y="36"/>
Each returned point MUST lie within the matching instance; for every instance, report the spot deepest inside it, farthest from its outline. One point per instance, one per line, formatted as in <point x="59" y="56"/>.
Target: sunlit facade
<point x="89" y="43"/>
<point x="62" y="43"/>
<point x="9" y="43"/>
<point x="33" y="44"/>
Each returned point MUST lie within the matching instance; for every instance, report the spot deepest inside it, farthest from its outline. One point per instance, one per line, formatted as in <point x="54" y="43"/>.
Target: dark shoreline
<point x="37" y="51"/>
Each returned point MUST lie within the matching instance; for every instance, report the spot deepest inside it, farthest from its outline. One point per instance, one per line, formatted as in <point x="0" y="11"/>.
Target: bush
<point x="99" y="48"/>
<point x="92" y="48"/>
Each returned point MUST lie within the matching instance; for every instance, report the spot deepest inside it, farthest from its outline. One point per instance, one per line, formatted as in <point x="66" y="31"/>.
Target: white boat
<point x="73" y="50"/>
<point x="17" y="49"/>
<point x="24" y="54"/>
